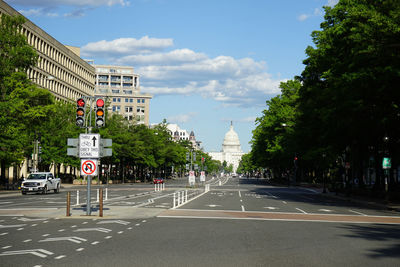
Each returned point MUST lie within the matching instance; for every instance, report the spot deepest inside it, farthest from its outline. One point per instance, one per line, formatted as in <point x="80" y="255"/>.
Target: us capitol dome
<point x="231" y="150"/>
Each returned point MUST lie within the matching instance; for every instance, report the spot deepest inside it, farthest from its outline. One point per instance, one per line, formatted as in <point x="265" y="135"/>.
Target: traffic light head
<point x="100" y="113"/>
<point x="80" y="112"/>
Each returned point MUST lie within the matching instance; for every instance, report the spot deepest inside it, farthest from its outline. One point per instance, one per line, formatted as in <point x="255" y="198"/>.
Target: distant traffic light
<point x="100" y="113"/>
<point x="80" y="112"/>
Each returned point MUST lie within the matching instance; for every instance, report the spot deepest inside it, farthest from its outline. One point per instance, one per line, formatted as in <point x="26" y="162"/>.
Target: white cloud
<point x="80" y="3"/>
<point x="125" y="46"/>
<point x="47" y="7"/>
<point x="332" y="3"/>
<point x="182" y="118"/>
<point x="303" y="17"/>
<point x="231" y="81"/>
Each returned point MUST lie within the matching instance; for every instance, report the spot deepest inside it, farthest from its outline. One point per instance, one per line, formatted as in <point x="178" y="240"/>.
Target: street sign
<point x="202" y="176"/>
<point x="386" y="163"/>
<point x="89" y="146"/>
<point x="105" y="152"/>
<point x="89" y="167"/>
<point x="105" y="142"/>
<point x="72" y="151"/>
<point x="73" y="142"/>
<point x="192" y="178"/>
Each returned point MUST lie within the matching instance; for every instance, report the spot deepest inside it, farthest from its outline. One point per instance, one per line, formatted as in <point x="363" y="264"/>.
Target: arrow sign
<point x="94" y="141"/>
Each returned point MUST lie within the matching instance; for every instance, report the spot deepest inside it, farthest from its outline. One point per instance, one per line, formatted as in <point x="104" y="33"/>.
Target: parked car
<point x="158" y="180"/>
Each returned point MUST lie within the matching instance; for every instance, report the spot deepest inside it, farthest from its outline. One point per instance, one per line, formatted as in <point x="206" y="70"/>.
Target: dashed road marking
<point x="302" y="211"/>
<point x="60" y="257"/>
<point x="79" y="249"/>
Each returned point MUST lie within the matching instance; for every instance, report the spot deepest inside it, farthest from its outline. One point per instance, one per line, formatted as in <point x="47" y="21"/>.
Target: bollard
<point x="186" y="196"/>
<point x="101" y="203"/>
<point x="77" y="197"/>
<point x="179" y="198"/>
<point x="174" y="200"/>
<point x="98" y="195"/>
<point x="106" y="193"/>
<point x="163" y="186"/>
<point x="219" y="183"/>
<point x="68" y="203"/>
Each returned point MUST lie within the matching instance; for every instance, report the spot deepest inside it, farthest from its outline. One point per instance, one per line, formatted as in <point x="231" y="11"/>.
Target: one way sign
<point x="89" y="146"/>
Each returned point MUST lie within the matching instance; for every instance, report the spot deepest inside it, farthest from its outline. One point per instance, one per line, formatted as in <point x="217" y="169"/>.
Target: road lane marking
<point x="284" y="202"/>
<point x="80" y="249"/>
<point x="114" y="221"/>
<point x="99" y="229"/>
<point x="6" y="247"/>
<point x="302" y="211"/>
<point x="60" y="257"/>
<point x="74" y="239"/>
<point x="11" y="226"/>
<point x="37" y="252"/>
<point x="243" y="208"/>
<point x="359" y="213"/>
<point x="325" y="210"/>
<point x="240" y="195"/>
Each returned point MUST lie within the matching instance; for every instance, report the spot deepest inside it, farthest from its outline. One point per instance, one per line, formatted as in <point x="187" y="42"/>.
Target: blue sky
<point x="207" y="62"/>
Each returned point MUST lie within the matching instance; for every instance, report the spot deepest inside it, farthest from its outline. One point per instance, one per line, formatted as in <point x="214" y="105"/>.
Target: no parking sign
<point x="89" y="167"/>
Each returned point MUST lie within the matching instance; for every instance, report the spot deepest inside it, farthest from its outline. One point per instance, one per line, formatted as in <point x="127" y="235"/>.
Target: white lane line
<point x="301" y="210"/>
<point x="284" y="202"/>
<point x="359" y="213"/>
<point x="95" y="242"/>
<point x="108" y="237"/>
<point x="60" y="257"/>
<point x="3" y="234"/>
<point x="241" y="200"/>
<point x="6" y="247"/>
<point x="120" y="232"/>
<point x="243" y="208"/>
<point x="26" y="241"/>
<point x="240" y="195"/>
<point x="80" y="249"/>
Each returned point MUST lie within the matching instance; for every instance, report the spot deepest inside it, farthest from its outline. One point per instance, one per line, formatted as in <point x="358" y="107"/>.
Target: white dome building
<point x="231" y="150"/>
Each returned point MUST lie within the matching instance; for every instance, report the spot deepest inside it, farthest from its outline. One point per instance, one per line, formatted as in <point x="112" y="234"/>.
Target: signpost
<point x="192" y="178"/>
<point x="89" y="146"/>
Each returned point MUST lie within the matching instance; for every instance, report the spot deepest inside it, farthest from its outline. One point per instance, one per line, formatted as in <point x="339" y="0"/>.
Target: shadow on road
<point x="389" y="234"/>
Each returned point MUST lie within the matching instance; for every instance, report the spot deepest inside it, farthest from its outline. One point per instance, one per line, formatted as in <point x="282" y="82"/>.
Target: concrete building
<point x="121" y="87"/>
<point x="59" y="70"/>
<point x="231" y="150"/>
<point x="181" y="134"/>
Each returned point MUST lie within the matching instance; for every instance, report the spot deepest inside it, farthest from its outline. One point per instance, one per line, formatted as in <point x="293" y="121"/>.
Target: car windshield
<point x="36" y="176"/>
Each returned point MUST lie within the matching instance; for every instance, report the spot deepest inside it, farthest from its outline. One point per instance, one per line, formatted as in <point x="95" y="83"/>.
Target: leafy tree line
<point x="28" y="113"/>
<point x="340" y="117"/>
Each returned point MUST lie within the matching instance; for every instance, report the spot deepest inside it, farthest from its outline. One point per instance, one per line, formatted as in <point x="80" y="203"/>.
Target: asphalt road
<point x="240" y="222"/>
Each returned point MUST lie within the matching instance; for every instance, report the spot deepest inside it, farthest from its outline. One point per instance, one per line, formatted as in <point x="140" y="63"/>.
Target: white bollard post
<point x="77" y="197"/>
<point x="186" y="196"/>
<point x="219" y="183"/>
<point x="174" y="200"/>
<point x="98" y="194"/>
<point x="179" y="198"/>
<point x="106" y="193"/>
<point x="163" y="186"/>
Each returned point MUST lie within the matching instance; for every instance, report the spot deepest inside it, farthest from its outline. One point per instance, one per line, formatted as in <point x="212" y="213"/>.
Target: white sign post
<point x="89" y="146"/>
<point x="202" y="176"/>
<point x="192" y="178"/>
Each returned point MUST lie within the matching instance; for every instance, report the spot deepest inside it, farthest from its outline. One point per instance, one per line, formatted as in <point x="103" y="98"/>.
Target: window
<point x="119" y="100"/>
<point x="142" y="100"/>
<point x="114" y="99"/>
<point x="128" y="109"/>
<point x="131" y="100"/>
<point x="116" y="108"/>
<point x="140" y="110"/>
<point x="126" y="100"/>
<point x="114" y="91"/>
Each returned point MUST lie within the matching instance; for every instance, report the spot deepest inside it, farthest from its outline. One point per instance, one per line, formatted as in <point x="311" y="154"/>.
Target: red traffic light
<point x="295" y="158"/>
<point x="100" y="103"/>
<point x="80" y="102"/>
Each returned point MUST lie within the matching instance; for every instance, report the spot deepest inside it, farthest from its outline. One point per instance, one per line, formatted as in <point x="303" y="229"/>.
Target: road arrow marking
<point x="114" y="221"/>
<point x="104" y="230"/>
<point x="74" y="239"/>
<point x="213" y="206"/>
<point x="32" y="220"/>
<point x="11" y="226"/>
<point x="325" y="210"/>
<point x="37" y="252"/>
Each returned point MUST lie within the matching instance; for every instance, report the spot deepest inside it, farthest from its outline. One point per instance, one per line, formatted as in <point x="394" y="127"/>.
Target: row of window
<point x="63" y="75"/>
<point x="129" y="100"/>
<point x="55" y="54"/>
<point x="139" y="110"/>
